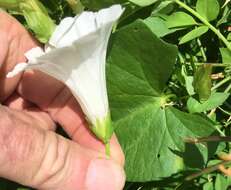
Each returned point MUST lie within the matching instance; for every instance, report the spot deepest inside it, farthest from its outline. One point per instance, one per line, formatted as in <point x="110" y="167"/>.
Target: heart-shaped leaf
<point x="152" y="135"/>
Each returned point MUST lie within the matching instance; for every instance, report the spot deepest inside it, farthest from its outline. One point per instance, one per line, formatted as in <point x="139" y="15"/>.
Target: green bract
<point x="37" y="18"/>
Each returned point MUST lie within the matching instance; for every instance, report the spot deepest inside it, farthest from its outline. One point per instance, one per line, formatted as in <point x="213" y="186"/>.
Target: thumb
<point x="44" y="160"/>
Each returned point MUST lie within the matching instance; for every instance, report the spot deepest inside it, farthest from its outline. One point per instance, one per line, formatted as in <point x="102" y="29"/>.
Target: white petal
<point x="17" y="69"/>
<point x="76" y="55"/>
<point x="34" y="53"/>
<point x="72" y="29"/>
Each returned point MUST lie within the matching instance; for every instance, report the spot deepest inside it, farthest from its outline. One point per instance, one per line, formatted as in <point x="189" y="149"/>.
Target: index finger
<point x="14" y="42"/>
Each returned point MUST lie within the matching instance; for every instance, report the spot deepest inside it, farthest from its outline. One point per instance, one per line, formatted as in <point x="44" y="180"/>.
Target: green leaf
<point x="158" y="26"/>
<point x="226" y="55"/>
<point x="209" y="9"/>
<point x="143" y="3"/>
<point x="95" y="5"/>
<point x="229" y="36"/>
<point x="202" y="81"/>
<point x="221" y="182"/>
<point x="195" y="33"/>
<point x="99" y="4"/>
<point x="188" y="81"/>
<point x="180" y="19"/>
<point x="225" y="17"/>
<point x="152" y="135"/>
<point x="164" y="5"/>
<point x="216" y="99"/>
<point x="208" y="186"/>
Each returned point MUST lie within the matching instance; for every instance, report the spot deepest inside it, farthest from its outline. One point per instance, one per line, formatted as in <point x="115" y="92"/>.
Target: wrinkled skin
<point x="31" y="152"/>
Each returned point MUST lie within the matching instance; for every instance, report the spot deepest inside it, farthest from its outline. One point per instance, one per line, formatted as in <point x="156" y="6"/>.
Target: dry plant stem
<point x="208" y="139"/>
<point x="207" y="170"/>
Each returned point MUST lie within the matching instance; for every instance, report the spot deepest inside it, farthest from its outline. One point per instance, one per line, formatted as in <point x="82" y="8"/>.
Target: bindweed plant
<point x="168" y="78"/>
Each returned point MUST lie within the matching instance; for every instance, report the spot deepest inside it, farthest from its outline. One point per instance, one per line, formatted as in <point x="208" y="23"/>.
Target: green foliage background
<point x="169" y="83"/>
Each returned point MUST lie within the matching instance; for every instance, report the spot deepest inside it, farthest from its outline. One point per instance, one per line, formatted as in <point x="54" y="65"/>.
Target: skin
<point x="31" y="152"/>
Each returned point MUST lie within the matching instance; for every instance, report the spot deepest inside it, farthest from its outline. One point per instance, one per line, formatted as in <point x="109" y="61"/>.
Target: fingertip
<point x="103" y="174"/>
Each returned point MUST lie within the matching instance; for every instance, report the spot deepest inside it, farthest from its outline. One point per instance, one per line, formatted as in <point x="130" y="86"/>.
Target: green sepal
<point x="103" y="129"/>
<point x="202" y="82"/>
<point x="37" y="19"/>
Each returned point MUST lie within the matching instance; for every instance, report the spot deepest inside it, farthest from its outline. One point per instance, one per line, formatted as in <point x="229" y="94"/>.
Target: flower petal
<point x="77" y="57"/>
<point x="72" y="29"/>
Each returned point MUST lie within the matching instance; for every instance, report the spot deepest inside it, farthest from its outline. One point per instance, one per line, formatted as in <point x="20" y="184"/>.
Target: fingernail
<point x="104" y="174"/>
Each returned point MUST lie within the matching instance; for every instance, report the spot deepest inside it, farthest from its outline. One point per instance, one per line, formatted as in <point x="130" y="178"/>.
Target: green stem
<point x="203" y="20"/>
<point x="221" y="83"/>
<point x="202" y="50"/>
<point x="107" y="150"/>
<point x="219" y="130"/>
<point x="228" y="89"/>
<point x="181" y="58"/>
<point x="224" y="111"/>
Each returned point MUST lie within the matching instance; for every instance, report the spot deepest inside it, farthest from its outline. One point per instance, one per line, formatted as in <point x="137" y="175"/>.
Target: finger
<point x="15" y="40"/>
<point x="43" y="160"/>
<point x="52" y="96"/>
<point x="18" y="103"/>
<point x="15" y="102"/>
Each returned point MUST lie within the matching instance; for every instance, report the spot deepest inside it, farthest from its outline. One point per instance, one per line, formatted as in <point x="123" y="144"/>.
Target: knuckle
<point x="54" y="163"/>
<point x="17" y="139"/>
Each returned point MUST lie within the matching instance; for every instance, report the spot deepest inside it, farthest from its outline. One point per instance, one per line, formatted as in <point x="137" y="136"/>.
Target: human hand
<point x="31" y="152"/>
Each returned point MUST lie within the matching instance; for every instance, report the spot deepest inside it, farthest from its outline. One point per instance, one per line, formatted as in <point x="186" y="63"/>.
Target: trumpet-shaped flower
<point x="76" y="55"/>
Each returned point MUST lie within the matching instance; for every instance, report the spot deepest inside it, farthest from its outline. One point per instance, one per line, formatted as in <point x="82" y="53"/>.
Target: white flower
<point x="76" y="55"/>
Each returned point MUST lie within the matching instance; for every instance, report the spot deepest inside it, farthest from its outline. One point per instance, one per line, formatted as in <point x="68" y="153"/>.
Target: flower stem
<point x="107" y="149"/>
<point x="203" y="20"/>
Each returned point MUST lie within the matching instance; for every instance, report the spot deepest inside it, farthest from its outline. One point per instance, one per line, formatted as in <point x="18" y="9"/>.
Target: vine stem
<point x="202" y="50"/>
<point x="228" y="88"/>
<point x="207" y="170"/>
<point x="203" y="20"/>
<point x="213" y="64"/>
<point x="221" y="83"/>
